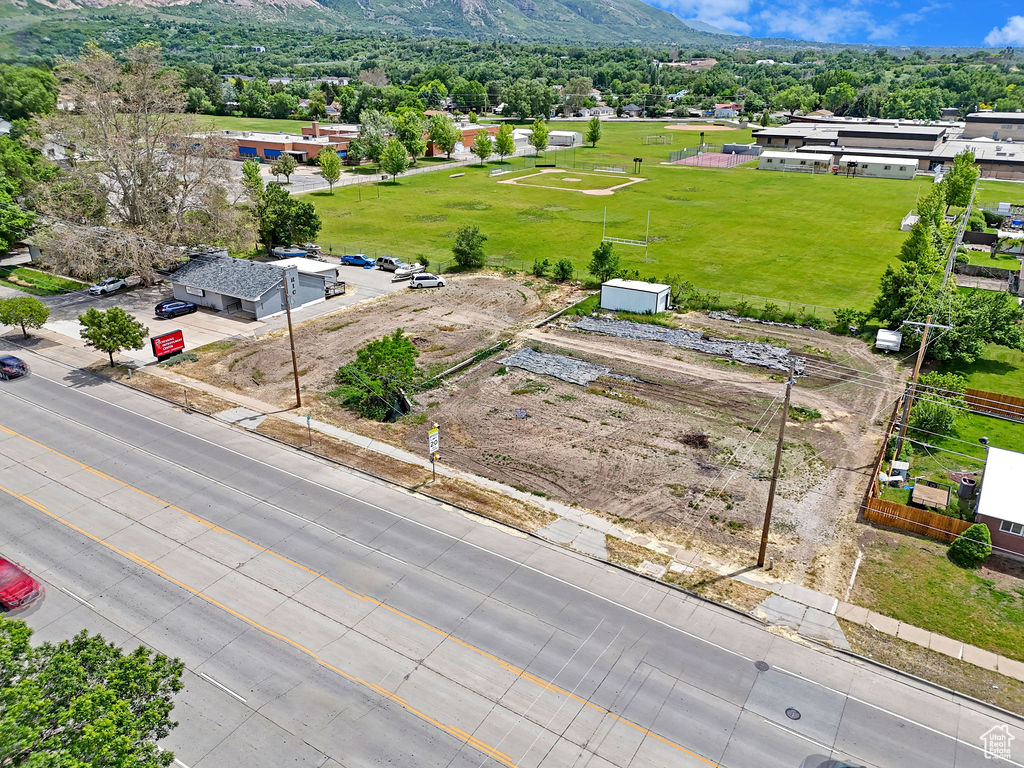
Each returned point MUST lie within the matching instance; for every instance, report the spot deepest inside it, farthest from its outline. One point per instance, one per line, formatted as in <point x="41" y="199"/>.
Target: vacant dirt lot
<point x="674" y="443"/>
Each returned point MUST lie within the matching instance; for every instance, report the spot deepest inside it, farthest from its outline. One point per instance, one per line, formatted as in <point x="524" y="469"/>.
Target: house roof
<point x="1000" y="486"/>
<point x="635" y="285"/>
<point x="631" y="108"/>
<point x="886" y="160"/>
<point x="306" y="266"/>
<point x="239" y="278"/>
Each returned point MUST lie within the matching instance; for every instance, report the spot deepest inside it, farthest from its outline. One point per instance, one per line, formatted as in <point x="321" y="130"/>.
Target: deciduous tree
<point x="284" y="165"/>
<point x="468" y="248"/>
<point x="281" y="219"/>
<point x="374" y="383"/>
<point x="482" y="147"/>
<point x="395" y="159"/>
<point x="112" y="330"/>
<point x="504" y="142"/>
<point x="330" y="166"/>
<point x="539" y="137"/>
<point x="604" y="264"/>
<point x="593" y="131"/>
<point x="83" y="701"/>
<point x="410" y="126"/>
<point x="26" y="311"/>
<point x="444" y="134"/>
<point x="26" y="92"/>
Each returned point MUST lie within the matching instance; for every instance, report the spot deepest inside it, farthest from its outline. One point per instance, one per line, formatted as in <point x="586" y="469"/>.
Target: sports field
<point x="816" y="239"/>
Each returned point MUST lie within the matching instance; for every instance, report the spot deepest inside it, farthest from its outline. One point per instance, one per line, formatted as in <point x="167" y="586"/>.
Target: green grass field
<point x="821" y="240"/>
<point x="269" y="125"/>
<point x="990" y="193"/>
<point x="36" y="282"/>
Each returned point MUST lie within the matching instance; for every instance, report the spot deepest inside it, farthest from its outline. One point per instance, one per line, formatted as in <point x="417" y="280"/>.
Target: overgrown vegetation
<point x="374" y="384"/>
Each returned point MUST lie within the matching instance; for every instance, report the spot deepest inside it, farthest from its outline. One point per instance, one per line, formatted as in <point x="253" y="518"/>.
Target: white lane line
<point x="179" y="763"/>
<point x="221" y="686"/>
<point x="445" y="534"/>
<point x="73" y="596"/>
<point x="828" y="750"/>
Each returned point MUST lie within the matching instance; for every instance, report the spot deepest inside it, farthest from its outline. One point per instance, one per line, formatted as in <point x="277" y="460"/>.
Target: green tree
<point x="282" y="105"/>
<point x="504" y="143"/>
<point x="281" y="219"/>
<point x="765" y="119"/>
<point x="395" y="159"/>
<point x="374" y="383"/>
<point x="197" y="101"/>
<point x="472" y="117"/>
<point x="977" y="318"/>
<point x="594" y="131"/>
<point x="563" y="270"/>
<point x="252" y="179"/>
<point x="938" y="403"/>
<point x="330" y="166"/>
<point x="26" y="91"/>
<point x="409" y="126"/>
<point x="960" y="180"/>
<point x="254" y="101"/>
<point x="284" y="165"/>
<point x="83" y="701"/>
<point x="839" y="98"/>
<point x="482" y="147"/>
<point x="468" y="248"/>
<point x="112" y="330"/>
<point x="317" y="104"/>
<point x="605" y="263"/>
<point x="539" y="137"/>
<point x="972" y="547"/>
<point x="444" y="134"/>
<point x="26" y="311"/>
<point x="374" y="130"/>
<point x="15" y="221"/>
<point x="796" y="97"/>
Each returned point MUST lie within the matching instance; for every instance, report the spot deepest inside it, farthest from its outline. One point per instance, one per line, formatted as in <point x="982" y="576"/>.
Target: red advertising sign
<point x="168" y="343"/>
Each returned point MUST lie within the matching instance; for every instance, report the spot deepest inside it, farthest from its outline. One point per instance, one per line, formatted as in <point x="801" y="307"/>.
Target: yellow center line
<point x="521" y="673"/>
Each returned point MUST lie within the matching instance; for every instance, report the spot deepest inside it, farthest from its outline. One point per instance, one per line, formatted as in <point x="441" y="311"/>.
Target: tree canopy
<point x="111" y="330"/>
<point x="83" y="702"/>
<point x="282" y="220"/>
<point x="468" y="248"/>
<point x="374" y="383"/>
<point x="25" y="311"/>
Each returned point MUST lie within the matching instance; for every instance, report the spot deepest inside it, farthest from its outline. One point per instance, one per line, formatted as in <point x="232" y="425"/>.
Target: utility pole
<point x="291" y="341"/>
<point x="908" y="397"/>
<point x="775" y="469"/>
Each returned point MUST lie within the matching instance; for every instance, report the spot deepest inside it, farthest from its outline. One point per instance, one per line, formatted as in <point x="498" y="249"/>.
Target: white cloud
<point x="725" y="14"/>
<point x="1011" y="34"/>
<point x="810" y="21"/>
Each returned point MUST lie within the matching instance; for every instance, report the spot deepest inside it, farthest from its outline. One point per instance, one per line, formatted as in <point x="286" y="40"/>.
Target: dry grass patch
<point x="944" y="670"/>
<point x="198" y="400"/>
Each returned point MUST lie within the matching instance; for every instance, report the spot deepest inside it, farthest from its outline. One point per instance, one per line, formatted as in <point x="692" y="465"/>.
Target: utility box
<point x="890" y="341"/>
<point x="634" y="296"/>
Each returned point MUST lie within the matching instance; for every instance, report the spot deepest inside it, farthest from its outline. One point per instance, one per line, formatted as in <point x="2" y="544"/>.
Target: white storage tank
<point x="634" y="296"/>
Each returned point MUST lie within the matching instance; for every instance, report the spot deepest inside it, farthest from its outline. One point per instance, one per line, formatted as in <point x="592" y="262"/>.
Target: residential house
<point x="726" y="110"/>
<point x="632" y="110"/>
<point x="999" y="505"/>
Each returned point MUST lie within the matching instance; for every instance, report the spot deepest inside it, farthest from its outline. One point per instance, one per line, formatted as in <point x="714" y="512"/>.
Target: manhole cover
<point x="761" y="666"/>
<point x="792" y="714"/>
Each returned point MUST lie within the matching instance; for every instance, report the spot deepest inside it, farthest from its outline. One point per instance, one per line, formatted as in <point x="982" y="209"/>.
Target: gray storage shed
<point x="634" y="296"/>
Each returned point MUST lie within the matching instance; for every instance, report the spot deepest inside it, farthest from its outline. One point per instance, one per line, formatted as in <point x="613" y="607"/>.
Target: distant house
<point x="259" y="48"/>
<point x="601" y="111"/>
<point x="632" y="110"/>
<point x="247" y="287"/>
<point x="726" y="110"/>
<point x="999" y="505"/>
<point x="677" y="95"/>
<point x="764" y="62"/>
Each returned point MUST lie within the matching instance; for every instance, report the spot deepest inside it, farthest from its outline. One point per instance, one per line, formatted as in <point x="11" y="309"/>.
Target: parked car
<point x="388" y="263"/>
<point x="17" y="588"/>
<point x="12" y="367"/>
<point x="312" y="249"/>
<point x="109" y="285"/>
<point x="426" y="280"/>
<point x="174" y="308"/>
<point x="357" y="260"/>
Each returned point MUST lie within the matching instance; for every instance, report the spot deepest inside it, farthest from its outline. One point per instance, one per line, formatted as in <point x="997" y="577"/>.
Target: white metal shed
<point x="878" y="167"/>
<point x="634" y="296"/>
<point x="565" y="138"/>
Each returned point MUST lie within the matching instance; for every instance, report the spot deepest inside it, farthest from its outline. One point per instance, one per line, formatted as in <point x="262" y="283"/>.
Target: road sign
<point x="167" y="344"/>
<point x="433" y="441"/>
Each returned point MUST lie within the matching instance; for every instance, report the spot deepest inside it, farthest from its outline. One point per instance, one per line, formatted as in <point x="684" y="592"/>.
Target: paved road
<point x="326" y="619"/>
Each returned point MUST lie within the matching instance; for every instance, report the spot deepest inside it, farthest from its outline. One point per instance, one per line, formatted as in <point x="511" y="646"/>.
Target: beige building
<point x="998" y="126"/>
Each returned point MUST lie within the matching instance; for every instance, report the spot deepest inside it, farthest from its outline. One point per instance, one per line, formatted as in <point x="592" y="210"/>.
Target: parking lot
<point x="207" y="326"/>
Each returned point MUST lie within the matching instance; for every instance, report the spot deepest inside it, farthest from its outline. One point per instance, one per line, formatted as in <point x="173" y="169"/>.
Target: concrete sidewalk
<point x="809" y="613"/>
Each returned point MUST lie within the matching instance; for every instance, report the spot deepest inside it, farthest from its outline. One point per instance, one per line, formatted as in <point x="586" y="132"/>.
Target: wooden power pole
<point x="775" y="469"/>
<point x="291" y="341"/>
<point x="908" y="397"/>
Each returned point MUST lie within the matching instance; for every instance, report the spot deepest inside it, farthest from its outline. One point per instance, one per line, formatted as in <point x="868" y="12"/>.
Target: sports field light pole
<point x="775" y="469"/>
<point x="291" y="342"/>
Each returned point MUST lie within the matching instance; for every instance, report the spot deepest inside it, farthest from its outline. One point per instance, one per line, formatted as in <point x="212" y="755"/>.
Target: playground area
<point x="574" y="181"/>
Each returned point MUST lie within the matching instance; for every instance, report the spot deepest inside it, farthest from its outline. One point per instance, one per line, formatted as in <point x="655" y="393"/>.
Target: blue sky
<point x="879" y="22"/>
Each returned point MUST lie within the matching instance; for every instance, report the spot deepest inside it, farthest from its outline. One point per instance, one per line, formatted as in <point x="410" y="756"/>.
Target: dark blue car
<point x="12" y="367"/>
<point x="174" y="308"/>
<point x="357" y="260"/>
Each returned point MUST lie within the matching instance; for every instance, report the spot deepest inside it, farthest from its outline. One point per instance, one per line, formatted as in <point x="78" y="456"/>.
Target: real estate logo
<point x="996" y="741"/>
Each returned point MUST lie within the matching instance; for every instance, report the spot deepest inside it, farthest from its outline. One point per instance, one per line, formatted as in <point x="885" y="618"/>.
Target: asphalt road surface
<point x="326" y="619"/>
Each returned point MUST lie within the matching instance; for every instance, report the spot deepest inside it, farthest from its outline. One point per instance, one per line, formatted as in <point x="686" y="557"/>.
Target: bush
<point x="563" y="270"/>
<point x="993" y="219"/>
<point x="848" y="318"/>
<point x="540" y="268"/>
<point x="976" y="221"/>
<point x="423" y="260"/>
<point x="744" y="308"/>
<point x="771" y="311"/>
<point x="181" y="357"/>
<point x="972" y="547"/>
<point x="813" y="321"/>
<point x="938" y="403"/>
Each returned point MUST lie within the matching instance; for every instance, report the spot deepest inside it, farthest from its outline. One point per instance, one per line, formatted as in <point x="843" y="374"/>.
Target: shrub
<point x="938" y="403"/>
<point x="847" y="318"/>
<point x="563" y="270"/>
<point x="423" y="260"/>
<point x="993" y="219"/>
<point x="744" y="308"/>
<point x="771" y="311"/>
<point x="181" y="357"/>
<point x="540" y="268"/>
<point x="976" y="221"/>
<point x="813" y="321"/>
<point x="972" y="547"/>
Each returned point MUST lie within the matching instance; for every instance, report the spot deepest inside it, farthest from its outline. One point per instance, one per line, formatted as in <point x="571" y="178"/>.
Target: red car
<point x="17" y="588"/>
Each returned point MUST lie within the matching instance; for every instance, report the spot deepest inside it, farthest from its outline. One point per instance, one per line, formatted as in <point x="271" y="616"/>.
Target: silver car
<point x="426" y="280"/>
<point x="109" y="285"/>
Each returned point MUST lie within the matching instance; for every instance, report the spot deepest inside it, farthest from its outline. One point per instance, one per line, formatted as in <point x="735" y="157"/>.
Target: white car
<point x="109" y="285"/>
<point x="426" y="280"/>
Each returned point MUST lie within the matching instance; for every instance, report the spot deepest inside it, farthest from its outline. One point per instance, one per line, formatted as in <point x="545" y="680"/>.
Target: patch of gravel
<point x="559" y="366"/>
<point x="753" y="352"/>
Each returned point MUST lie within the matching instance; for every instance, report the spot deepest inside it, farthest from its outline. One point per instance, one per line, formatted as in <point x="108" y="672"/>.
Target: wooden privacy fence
<point x="994" y="404"/>
<point x="920" y="521"/>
